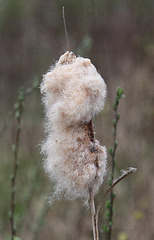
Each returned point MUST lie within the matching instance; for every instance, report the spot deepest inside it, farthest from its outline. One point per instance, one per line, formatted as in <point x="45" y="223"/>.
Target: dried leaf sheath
<point x="73" y="92"/>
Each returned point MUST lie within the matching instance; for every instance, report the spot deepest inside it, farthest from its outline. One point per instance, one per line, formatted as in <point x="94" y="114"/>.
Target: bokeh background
<point x="118" y="38"/>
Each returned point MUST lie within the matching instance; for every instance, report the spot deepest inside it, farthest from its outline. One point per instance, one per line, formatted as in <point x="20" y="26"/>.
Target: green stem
<point x="15" y="169"/>
<point x="119" y="94"/>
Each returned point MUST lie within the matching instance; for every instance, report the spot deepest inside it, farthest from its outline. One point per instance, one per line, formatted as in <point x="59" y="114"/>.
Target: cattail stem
<point x="94" y="216"/>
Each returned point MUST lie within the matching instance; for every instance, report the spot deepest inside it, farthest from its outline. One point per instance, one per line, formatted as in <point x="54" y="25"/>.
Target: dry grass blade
<point x="124" y="175"/>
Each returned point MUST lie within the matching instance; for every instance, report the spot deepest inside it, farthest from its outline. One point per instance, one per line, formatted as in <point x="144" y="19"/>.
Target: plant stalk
<point x="13" y="178"/>
<point x="94" y="216"/>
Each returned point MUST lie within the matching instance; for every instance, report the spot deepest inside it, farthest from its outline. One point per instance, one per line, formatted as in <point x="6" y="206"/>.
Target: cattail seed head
<point x="73" y="92"/>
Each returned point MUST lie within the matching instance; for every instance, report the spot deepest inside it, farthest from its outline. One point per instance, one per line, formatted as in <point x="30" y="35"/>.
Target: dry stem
<point x="94" y="216"/>
<point x="91" y="195"/>
<point x="66" y="32"/>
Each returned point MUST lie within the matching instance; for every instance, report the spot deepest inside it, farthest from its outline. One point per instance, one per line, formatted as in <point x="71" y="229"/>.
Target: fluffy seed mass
<point x="73" y="92"/>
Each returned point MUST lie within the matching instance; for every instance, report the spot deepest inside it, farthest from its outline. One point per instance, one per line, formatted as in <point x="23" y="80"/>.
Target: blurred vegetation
<point x="118" y="38"/>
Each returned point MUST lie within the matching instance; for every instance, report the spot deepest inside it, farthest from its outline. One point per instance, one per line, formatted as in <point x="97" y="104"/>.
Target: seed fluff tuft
<point x="73" y="92"/>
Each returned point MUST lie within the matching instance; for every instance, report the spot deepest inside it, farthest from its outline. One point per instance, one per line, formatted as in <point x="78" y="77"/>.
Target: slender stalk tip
<point x="65" y="27"/>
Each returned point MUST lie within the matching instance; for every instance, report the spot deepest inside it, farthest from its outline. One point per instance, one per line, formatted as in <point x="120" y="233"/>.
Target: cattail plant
<point x="73" y="92"/>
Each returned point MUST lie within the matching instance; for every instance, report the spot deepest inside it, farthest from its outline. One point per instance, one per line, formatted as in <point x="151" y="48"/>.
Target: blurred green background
<point x="118" y="38"/>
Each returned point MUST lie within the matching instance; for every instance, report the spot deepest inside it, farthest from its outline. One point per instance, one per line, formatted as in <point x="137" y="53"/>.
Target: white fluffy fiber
<point x="73" y="92"/>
